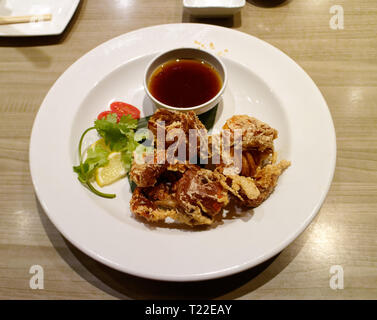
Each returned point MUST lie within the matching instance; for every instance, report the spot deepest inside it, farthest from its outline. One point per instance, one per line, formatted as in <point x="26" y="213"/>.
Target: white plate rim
<point x="177" y="277"/>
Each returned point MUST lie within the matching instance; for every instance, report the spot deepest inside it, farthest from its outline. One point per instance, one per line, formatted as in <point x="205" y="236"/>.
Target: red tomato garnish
<point x="104" y="114"/>
<point x="122" y="108"/>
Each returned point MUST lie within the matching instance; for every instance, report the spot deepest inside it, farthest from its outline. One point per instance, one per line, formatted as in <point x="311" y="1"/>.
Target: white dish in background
<point x="62" y="12"/>
<point x="262" y="82"/>
<point x="213" y="7"/>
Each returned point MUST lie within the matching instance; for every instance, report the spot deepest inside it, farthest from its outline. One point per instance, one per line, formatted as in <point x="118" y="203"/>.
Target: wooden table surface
<point x="343" y="63"/>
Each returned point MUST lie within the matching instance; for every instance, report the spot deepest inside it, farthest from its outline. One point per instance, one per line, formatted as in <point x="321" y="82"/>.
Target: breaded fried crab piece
<point x="141" y="206"/>
<point x="174" y="120"/>
<point x="265" y="179"/>
<point x="146" y="174"/>
<point x="243" y="188"/>
<point x="175" y="123"/>
<point x="255" y="133"/>
<point x="201" y="189"/>
<point x="193" y="200"/>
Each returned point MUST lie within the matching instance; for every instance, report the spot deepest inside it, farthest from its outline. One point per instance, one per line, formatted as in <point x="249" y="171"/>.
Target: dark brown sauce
<point x="184" y="83"/>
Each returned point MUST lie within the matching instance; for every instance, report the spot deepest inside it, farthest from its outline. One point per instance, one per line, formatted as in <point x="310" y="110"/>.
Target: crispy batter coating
<point x="194" y="199"/>
<point x="252" y="179"/>
<point x="191" y="195"/>
<point x="203" y="189"/>
<point x="146" y="175"/>
<point x="251" y="188"/>
<point x="255" y="133"/>
<point x="142" y="207"/>
<point x="265" y="180"/>
<point x="243" y="188"/>
<point x="174" y="121"/>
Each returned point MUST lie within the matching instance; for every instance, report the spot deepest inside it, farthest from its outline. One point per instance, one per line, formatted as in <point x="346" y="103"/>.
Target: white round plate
<point x="263" y="82"/>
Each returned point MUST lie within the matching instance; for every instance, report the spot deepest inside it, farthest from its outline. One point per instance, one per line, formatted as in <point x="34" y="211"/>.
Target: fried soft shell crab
<point x="190" y="194"/>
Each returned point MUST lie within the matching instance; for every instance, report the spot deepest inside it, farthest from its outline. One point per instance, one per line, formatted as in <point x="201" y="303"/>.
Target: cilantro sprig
<point x="118" y="137"/>
<point x="116" y="134"/>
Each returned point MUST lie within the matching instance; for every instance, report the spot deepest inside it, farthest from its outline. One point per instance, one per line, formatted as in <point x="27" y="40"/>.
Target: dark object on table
<point x="267" y="3"/>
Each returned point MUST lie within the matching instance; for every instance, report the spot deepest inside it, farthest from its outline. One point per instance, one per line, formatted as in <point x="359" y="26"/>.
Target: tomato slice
<point x="103" y="114"/>
<point x="122" y="108"/>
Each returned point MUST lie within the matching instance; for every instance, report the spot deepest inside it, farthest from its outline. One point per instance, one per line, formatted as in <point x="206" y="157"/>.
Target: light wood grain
<point x="343" y="64"/>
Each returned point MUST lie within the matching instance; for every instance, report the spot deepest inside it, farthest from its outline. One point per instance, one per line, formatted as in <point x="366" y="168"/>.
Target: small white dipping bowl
<point x="187" y="53"/>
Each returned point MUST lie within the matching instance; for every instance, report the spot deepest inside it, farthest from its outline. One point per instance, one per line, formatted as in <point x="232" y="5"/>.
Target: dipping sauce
<point x="184" y="83"/>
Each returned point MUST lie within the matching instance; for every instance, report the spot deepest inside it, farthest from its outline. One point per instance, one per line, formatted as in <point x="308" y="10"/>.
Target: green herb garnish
<point x="118" y="136"/>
